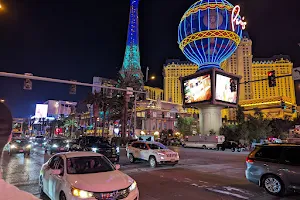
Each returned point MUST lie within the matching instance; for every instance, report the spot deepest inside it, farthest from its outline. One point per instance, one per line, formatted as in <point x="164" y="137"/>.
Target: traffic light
<point x="283" y="106"/>
<point x="272" y="78"/>
<point x="73" y="88"/>
<point x="232" y="85"/>
<point x="294" y="109"/>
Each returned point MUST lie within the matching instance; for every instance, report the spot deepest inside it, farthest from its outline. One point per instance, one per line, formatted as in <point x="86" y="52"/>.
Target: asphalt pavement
<point x="200" y="174"/>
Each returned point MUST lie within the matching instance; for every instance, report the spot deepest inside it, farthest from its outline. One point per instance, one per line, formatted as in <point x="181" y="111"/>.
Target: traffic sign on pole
<point x="296" y="73"/>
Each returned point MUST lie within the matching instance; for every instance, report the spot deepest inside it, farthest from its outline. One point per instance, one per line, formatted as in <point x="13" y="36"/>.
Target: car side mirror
<point x="55" y="171"/>
<point x="117" y="166"/>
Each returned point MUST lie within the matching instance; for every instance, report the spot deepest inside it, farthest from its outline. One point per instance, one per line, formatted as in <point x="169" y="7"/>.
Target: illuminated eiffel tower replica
<point x="131" y="64"/>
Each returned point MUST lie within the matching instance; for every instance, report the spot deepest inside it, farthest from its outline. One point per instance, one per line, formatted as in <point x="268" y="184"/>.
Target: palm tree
<point x="70" y="124"/>
<point x="94" y="99"/>
<point x="127" y="79"/>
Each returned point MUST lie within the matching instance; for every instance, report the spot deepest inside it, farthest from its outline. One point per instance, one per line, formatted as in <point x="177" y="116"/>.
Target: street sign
<point x="129" y="92"/>
<point x="28" y="82"/>
<point x="296" y="73"/>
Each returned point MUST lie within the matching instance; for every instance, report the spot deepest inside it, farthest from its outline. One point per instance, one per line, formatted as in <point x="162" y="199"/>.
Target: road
<point x="200" y="174"/>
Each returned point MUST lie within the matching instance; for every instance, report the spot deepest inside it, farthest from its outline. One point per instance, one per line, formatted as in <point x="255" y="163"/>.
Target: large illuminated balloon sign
<point x="210" y="31"/>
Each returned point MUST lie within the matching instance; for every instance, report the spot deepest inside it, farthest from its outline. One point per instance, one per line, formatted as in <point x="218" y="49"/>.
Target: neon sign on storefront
<point x="235" y="21"/>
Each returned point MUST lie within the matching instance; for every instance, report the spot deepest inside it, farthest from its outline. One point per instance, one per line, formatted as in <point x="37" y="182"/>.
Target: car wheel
<point x="41" y="188"/>
<point x="152" y="162"/>
<point x="204" y="147"/>
<point x="131" y="158"/>
<point x="273" y="185"/>
<point x="233" y="149"/>
<point x="62" y="196"/>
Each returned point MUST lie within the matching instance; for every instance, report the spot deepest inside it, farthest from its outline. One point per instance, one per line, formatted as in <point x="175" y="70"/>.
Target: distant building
<point x="154" y="116"/>
<point x="154" y="93"/>
<point x="268" y="99"/>
<point x="57" y="108"/>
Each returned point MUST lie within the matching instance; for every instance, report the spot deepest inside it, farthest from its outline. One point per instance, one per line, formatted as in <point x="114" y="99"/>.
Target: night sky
<point x="75" y="39"/>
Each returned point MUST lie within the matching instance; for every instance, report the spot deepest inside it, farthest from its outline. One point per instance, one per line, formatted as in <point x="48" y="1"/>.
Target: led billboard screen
<point x="41" y="110"/>
<point x="223" y="90"/>
<point x="197" y="89"/>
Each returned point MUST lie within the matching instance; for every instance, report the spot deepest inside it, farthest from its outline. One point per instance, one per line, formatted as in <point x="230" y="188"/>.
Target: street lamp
<point x="152" y="77"/>
<point x="2" y="100"/>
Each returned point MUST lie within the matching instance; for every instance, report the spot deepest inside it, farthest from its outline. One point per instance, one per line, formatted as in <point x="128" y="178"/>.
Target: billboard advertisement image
<point x="223" y="91"/>
<point x="41" y="110"/>
<point x="197" y="89"/>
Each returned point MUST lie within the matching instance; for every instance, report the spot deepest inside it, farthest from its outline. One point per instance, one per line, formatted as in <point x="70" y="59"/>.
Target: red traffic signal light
<point x="272" y="78"/>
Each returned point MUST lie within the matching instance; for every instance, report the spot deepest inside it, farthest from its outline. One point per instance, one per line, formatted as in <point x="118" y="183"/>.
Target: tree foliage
<point x="184" y="125"/>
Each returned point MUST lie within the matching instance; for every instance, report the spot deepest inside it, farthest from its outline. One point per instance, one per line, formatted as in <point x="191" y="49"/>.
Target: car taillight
<point x="249" y="160"/>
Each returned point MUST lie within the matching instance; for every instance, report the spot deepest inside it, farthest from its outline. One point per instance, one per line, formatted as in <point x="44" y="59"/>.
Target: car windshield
<point x="20" y="142"/>
<point x="157" y="146"/>
<point x="87" y="165"/>
<point x="58" y="141"/>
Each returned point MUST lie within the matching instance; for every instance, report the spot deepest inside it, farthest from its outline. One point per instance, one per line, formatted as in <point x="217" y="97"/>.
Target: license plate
<point x="21" y="150"/>
<point x="61" y="149"/>
<point x="172" y="160"/>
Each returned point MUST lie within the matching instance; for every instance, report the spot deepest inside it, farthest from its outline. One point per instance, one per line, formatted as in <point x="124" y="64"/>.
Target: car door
<point x="51" y="180"/>
<point x="267" y="160"/>
<point x="144" y="151"/>
<point x="57" y="180"/>
<point x="135" y="149"/>
<point x="47" y="174"/>
<point x="292" y="169"/>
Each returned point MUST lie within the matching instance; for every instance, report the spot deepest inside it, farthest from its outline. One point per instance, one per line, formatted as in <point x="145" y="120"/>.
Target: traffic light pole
<point x="53" y="80"/>
<point x="265" y="79"/>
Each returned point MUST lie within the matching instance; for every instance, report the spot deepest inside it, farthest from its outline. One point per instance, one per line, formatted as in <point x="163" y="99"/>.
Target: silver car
<point x="275" y="167"/>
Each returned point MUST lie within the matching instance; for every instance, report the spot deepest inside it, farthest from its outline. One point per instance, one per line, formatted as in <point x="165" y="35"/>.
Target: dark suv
<point x="275" y="167"/>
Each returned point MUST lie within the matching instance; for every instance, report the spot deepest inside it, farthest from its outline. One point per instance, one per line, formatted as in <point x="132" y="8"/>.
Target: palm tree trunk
<point x="95" y="126"/>
<point x="124" y="120"/>
<point x="103" y="121"/>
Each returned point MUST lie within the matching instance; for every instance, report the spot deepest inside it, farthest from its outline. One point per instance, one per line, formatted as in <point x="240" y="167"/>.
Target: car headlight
<point x="28" y="146"/>
<point x="44" y="143"/>
<point x="67" y="145"/>
<point x="13" y="146"/>
<point x="132" y="187"/>
<point x="35" y="143"/>
<point x="55" y="145"/>
<point x="118" y="149"/>
<point x="81" y="193"/>
<point x="161" y="154"/>
<point x="94" y="149"/>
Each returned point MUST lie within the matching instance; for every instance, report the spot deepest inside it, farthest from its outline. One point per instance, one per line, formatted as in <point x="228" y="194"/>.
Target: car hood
<point x="164" y="151"/>
<point x="100" y="182"/>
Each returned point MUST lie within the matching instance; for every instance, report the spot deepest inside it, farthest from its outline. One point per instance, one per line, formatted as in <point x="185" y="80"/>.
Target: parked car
<point x="56" y="146"/>
<point x="85" y="175"/>
<point x="16" y="146"/>
<point x="153" y="152"/>
<point x="275" y="167"/>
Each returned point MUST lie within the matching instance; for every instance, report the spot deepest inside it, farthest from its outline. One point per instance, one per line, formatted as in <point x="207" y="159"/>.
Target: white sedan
<point x="85" y="175"/>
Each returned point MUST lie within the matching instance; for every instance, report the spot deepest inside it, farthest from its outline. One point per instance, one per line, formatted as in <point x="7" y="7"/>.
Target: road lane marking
<point x="236" y="189"/>
<point x="227" y="193"/>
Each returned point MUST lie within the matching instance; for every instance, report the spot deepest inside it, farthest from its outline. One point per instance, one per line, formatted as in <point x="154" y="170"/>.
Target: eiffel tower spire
<point x="131" y="61"/>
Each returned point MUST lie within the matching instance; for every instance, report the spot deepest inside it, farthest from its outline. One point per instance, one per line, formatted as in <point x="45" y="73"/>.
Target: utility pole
<point x="134" y="119"/>
<point x="147" y="74"/>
